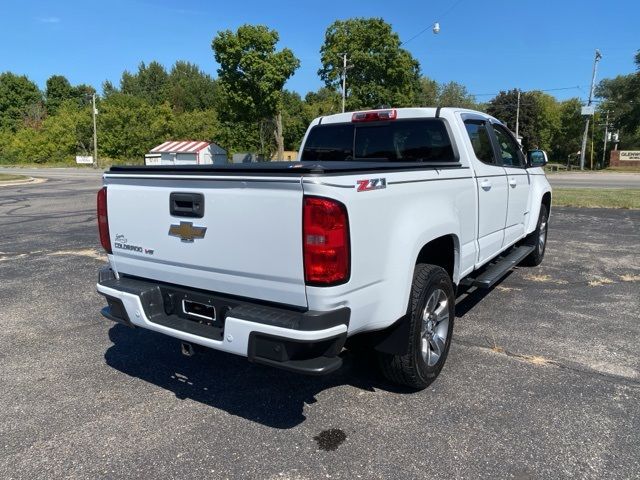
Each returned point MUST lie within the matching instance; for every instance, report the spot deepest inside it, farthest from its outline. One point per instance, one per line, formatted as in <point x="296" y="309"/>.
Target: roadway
<point x="594" y="180"/>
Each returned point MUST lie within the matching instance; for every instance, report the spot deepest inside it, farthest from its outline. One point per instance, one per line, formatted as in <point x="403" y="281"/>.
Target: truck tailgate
<point x="252" y="245"/>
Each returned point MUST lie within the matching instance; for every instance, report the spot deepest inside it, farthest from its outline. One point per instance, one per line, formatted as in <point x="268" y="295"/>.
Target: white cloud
<point x="48" y="19"/>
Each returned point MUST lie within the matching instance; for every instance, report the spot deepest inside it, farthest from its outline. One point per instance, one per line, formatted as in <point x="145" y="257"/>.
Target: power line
<point x="577" y="87"/>
<point x="447" y="12"/>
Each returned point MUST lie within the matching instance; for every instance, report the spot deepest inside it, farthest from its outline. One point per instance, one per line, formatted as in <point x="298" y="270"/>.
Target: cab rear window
<point x="422" y="140"/>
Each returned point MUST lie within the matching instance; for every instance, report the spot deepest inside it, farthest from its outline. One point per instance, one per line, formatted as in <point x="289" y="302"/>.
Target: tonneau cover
<point x="281" y="168"/>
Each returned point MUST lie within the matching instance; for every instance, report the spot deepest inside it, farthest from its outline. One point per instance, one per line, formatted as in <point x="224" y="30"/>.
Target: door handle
<point x="513" y="182"/>
<point x="186" y="204"/>
<point x="485" y="184"/>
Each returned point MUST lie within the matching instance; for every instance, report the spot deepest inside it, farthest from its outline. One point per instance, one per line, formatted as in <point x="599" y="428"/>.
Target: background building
<point x="186" y="153"/>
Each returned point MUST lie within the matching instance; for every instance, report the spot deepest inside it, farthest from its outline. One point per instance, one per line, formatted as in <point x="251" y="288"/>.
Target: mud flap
<point x="393" y="340"/>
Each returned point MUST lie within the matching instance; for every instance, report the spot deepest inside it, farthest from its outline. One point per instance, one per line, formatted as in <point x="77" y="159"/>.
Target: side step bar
<point x="495" y="271"/>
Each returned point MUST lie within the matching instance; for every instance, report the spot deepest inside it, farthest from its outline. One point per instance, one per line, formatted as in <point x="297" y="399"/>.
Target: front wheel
<point x="538" y="239"/>
<point x="431" y="314"/>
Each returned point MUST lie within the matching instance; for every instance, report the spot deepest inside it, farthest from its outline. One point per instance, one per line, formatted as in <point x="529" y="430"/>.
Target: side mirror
<point x="537" y="158"/>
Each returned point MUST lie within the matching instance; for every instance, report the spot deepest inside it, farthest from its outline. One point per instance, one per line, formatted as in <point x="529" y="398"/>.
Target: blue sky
<point x="486" y="45"/>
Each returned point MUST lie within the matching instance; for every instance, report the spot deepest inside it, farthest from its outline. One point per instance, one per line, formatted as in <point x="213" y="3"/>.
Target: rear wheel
<point x="538" y="239"/>
<point x="431" y="315"/>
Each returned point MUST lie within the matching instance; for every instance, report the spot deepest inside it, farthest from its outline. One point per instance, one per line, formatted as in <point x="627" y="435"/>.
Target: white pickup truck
<point x="368" y="236"/>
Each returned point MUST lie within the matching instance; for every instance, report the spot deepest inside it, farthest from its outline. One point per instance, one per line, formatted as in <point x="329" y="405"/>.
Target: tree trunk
<point x="279" y="137"/>
<point x="261" y="136"/>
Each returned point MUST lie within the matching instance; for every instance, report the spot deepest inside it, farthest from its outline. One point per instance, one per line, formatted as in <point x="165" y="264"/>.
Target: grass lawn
<point x="4" y="177"/>
<point x="596" y="198"/>
<point x="549" y="171"/>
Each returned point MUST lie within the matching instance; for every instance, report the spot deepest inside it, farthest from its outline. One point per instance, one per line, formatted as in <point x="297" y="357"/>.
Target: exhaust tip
<point x="187" y="349"/>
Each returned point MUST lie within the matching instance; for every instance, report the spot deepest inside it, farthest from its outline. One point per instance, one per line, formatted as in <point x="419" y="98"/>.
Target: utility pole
<point x="518" y="117"/>
<point x="586" y="126"/>
<point x="606" y="138"/>
<point x="593" y="130"/>
<point x="344" y="79"/>
<point x="95" y="132"/>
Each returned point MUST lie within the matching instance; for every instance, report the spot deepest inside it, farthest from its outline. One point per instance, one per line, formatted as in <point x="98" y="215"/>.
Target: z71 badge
<point x="371" y="184"/>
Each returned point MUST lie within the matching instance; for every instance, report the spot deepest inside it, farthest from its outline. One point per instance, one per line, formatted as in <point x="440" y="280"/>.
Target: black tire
<point x="413" y="369"/>
<point x="538" y="239"/>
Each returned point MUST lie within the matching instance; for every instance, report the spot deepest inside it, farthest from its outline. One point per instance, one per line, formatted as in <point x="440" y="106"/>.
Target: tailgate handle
<point x="186" y="204"/>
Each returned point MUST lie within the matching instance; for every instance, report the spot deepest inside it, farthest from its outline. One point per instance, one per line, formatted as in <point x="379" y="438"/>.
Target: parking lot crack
<point x="543" y="361"/>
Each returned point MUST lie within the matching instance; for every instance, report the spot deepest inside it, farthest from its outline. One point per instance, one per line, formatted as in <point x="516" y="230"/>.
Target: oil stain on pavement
<point x="329" y="440"/>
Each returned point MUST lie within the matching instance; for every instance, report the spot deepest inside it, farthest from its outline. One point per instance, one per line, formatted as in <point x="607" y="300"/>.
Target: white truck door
<point x="492" y="190"/>
<point x="514" y="165"/>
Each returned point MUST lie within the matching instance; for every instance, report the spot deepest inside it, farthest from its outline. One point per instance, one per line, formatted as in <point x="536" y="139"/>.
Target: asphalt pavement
<point x="543" y="378"/>
<point x="61" y="173"/>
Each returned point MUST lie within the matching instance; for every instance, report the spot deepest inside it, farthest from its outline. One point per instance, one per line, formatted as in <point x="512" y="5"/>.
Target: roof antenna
<point x="438" y="112"/>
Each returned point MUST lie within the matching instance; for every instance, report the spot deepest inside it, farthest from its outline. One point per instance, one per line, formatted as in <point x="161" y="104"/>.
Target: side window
<point x="479" y="136"/>
<point x="509" y="149"/>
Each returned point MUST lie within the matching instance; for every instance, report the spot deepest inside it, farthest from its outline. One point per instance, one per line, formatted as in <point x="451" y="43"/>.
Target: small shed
<point x="186" y="152"/>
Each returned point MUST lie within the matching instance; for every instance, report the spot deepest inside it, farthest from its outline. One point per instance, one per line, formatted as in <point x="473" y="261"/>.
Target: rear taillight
<point x="103" y="220"/>
<point x="325" y="237"/>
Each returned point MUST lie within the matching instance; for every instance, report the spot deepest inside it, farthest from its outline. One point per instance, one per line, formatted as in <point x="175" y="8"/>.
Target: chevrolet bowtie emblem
<point x="187" y="232"/>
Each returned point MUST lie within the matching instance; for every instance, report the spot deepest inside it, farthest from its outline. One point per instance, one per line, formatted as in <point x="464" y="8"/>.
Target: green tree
<point x="108" y="89"/>
<point x="148" y="83"/>
<point x="129" y="126"/>
<point x="189" y="88"/>
<point x="59" y="138"/>
<point x="540" y="121"/>
<point x="323" y="102"/>
<point x="427" y="93"/>
<point x="82" y="94"/>
<point x="28" y="146"/>
<point x="58" y="89"/>
<point x="296" y="116"/>
<point x="621" y="97"/>
<point x="17" y="95"/>
<point x="380" y="71"/>
<point x="252" y="75"/>
<point x="454" y="94"/>
<point x="69" y="132"/>
<point x="33" y="115"/>
<point x="568" y="137"/>
<point x="504" y="107"/>
<point x="239" y="136"/>
<point x="7" y="155"/>
<point x="547" y="123"/>
<point x="196" y="125"/>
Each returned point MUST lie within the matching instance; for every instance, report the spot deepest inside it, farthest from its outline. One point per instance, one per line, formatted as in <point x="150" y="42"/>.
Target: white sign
<point x="589" y="110"/>
<point x="84" y="159"/>
<point x="152" y="160"/>
<point x="629" y="156"/>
